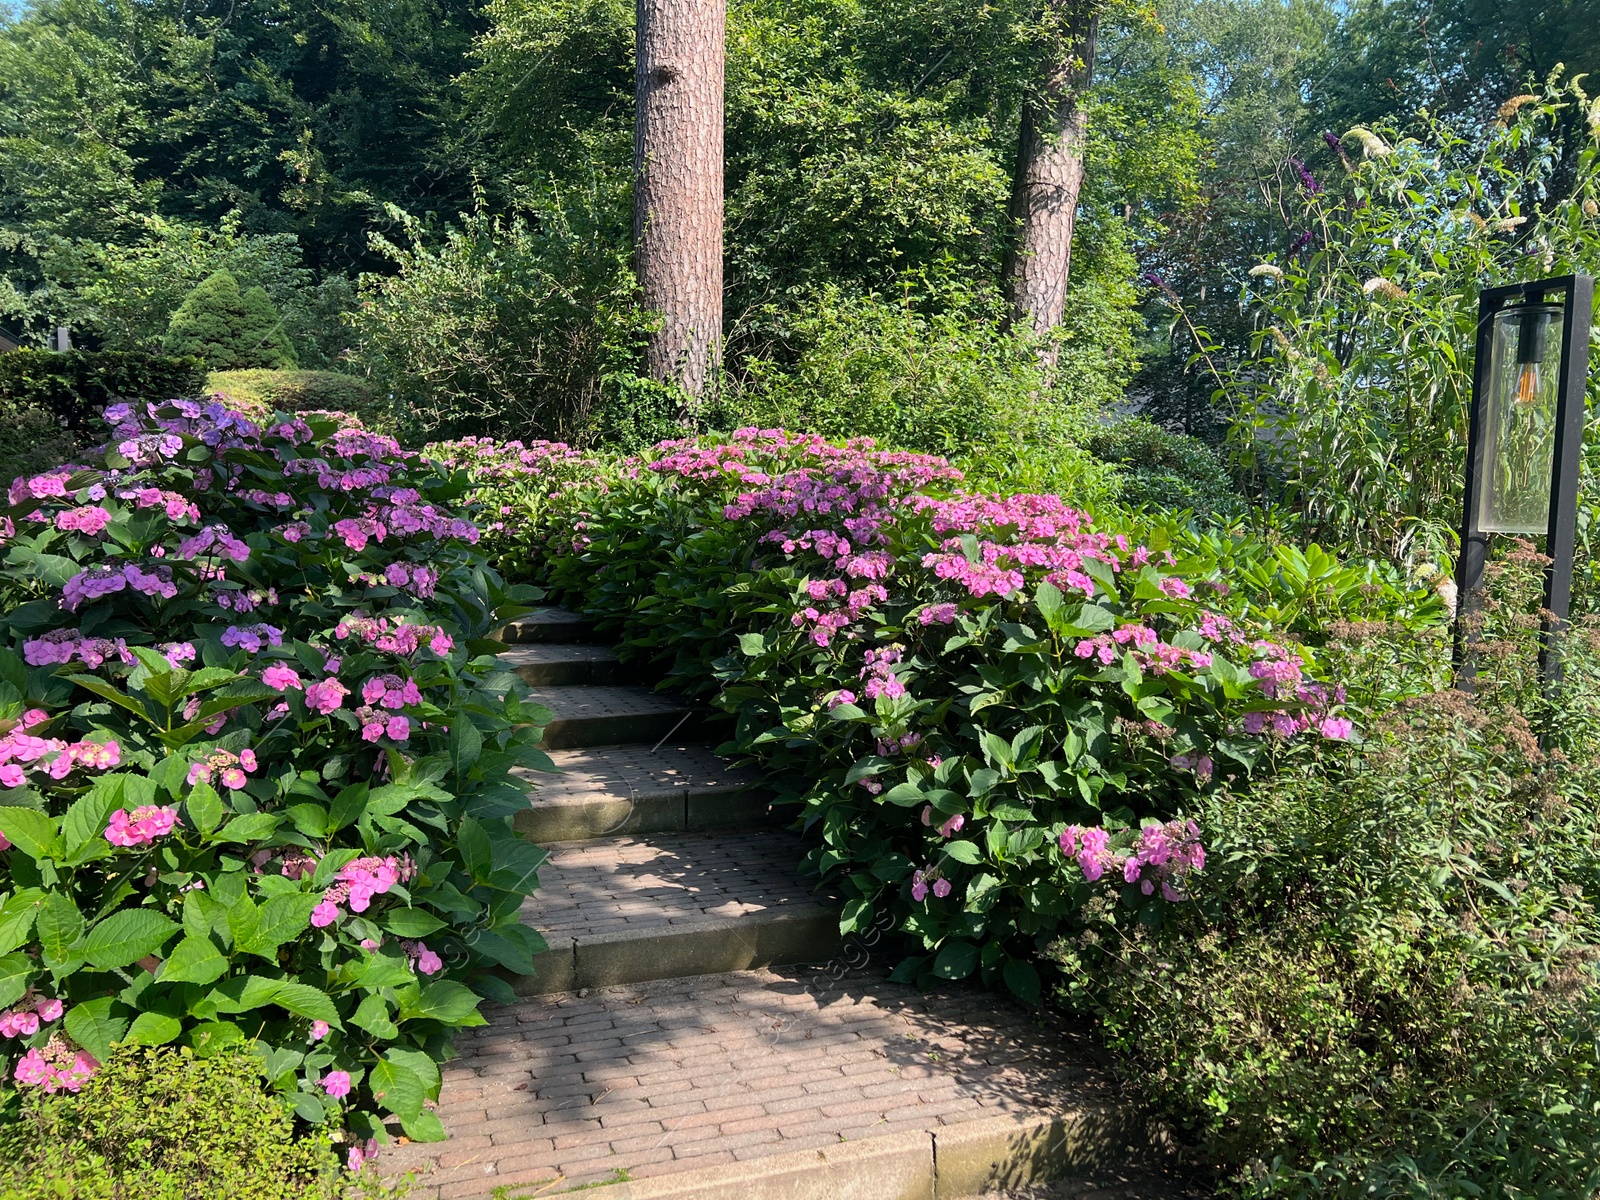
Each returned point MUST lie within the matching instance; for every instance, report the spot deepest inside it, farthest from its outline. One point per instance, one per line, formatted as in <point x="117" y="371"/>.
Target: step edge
<point x="654" y="796"/>
<point x="777" y="914"/>
<point x="1003" y="1151"/>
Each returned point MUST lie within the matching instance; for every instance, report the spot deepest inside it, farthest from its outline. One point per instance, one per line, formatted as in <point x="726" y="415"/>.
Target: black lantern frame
<point x="1576" y="298"/>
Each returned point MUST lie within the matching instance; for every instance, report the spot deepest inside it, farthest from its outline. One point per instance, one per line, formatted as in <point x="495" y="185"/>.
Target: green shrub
<point x="1351" y="409"/>
<point x="929" y="371"/>
<point x="76" y="387"/>
<point x="1163" y="470"/>
<point x="259" y="392"/>
<point x="229" y="330"/>
<point x="524" y="325"/>
<point x="166" y="1124"/>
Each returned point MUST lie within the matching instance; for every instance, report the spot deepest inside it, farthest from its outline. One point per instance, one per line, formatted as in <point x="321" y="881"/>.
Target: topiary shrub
<point x="230" y="813"/>
<point x="228" y="330"/>
<point x="168" y="1124"/>
<point x="257" y="393"/>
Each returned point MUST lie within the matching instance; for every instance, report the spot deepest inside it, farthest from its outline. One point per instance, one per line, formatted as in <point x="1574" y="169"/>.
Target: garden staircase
<point x="670" y="1046"/>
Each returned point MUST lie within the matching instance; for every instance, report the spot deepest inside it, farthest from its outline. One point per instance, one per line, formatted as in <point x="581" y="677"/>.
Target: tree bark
<point x="677" y="191"/>
<point x="1048" y="180"/>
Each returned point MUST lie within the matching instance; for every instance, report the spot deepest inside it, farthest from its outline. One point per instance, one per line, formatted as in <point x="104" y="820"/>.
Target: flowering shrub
<point x="971" y="690"/>
<point x="256" y="763"/>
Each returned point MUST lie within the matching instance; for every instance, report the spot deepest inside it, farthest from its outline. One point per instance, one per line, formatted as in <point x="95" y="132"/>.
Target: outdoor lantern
<point x="1525" y="437"/>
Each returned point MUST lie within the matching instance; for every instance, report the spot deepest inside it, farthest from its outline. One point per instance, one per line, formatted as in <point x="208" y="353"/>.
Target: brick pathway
<point x="639" y="1081"/>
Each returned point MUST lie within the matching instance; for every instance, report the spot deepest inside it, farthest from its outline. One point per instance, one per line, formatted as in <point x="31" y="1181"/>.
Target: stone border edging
<point x="963" y="1160"/>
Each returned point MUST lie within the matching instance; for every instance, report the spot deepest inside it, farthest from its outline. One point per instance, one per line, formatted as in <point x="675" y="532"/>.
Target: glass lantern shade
<point x="1520" y="420"/>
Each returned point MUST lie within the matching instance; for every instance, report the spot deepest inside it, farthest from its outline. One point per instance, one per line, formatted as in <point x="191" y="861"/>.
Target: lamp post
<point x="1524" y="441"/>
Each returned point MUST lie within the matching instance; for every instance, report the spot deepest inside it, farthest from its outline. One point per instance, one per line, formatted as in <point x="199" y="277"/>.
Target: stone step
<point x="601" y="716"/>
<point x="549" y="625"/>
<point x="606" y="790"/>
<point x="560" y="664"/>
<point x="658" y="906"/>
<point x="792" y="1083"/>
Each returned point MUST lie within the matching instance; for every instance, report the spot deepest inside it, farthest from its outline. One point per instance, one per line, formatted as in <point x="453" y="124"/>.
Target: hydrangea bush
<point x="990" y="709"/>
<point x="255" y="758"/>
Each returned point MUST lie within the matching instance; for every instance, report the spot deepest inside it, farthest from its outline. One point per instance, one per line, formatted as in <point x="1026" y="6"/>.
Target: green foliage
<point x="125" y="293"/>
<point x="930" y="370"/>
<point x="1353" y="411"/>
<point x="303" y="118"/>
<point x="166" y="1124"/>
<point x="1387" y="983"/>
<point x="227" y="330"/>
<point x="1166" y="470"/>
<point x="258" y="393"/>
<point x="519" y="325"/>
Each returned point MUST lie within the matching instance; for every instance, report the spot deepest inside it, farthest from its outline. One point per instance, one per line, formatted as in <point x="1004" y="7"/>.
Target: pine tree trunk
<point x="677" y="192"/>
<point x="1044" y="191"/>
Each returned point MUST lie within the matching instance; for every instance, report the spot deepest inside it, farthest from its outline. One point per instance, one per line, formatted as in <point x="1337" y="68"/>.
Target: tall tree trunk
<point x="1044" y="191"/>
<point x="677" y="189"/>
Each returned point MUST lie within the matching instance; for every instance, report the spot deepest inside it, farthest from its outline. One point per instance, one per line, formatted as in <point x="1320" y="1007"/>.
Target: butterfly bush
<point x="255" y="763"/>
<point x="950" y="682"/>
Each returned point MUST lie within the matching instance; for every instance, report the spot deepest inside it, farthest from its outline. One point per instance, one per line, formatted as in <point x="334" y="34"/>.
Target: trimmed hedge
<point x="258" y="392"/>
<point x="77" y="386"/>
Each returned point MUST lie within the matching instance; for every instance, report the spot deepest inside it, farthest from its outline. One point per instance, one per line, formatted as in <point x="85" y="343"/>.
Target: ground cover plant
<point x="255" y="764"/>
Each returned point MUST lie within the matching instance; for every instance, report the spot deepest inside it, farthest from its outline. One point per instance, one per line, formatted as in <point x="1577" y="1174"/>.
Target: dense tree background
<point x="470" y="158"/>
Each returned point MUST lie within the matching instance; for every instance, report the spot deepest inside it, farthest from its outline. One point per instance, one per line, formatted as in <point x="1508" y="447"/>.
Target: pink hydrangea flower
<point x="143" y="826"/>
<point x="425" y="960"/>
<point x="282" y="677"/>
<point x="319" y="1030"/>
<point x="17" y="1022"/>
<point x="326" y="696"/>
<point x="336" y="1084"/>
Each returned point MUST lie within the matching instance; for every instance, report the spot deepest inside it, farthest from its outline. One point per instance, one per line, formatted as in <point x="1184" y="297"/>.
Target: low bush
<point x="1164" y="470"/>
<point x="259" y="393"/>
<point x="164" y="1124"/>
<point x="520" y="326"/>
<point x="255" y="763"/>
<point x="933" y="371"/>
